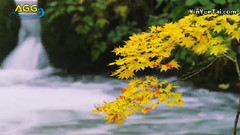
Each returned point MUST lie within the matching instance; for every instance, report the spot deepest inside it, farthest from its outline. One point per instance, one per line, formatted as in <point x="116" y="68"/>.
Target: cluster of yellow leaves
<point x="140" y="96"/>
<point x="153" y="50"/>
<point x="146" y="50"/>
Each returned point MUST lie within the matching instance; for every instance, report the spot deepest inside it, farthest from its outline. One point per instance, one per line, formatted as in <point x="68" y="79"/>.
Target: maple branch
<point x="235" y="61"/>
<point x="228" y="57"/>
<point x="193" y="73"/>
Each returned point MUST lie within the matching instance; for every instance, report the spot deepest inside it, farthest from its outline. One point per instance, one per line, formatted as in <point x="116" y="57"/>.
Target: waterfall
<point x="29" y="53"/>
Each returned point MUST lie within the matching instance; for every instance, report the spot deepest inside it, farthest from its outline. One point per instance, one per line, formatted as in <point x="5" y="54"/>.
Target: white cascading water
<point x="29" y="53"/>
<point x="29" y="59"/>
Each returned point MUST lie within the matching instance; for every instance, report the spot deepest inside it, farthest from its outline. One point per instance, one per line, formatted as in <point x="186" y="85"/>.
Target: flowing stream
<point x="33" y="101"/>
<point x="56" y="105"/>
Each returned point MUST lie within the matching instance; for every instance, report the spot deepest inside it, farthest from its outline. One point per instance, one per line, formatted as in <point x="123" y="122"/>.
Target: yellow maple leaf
<point x="126" y="74"/>
<point x="163" y="99"/>
<point x="229" y="28"/>
<point x="119" y="122"/>
<point x="96" y="111"/>
<point x="177" y="96"/>
<point x="164" y="68"/>
<point x="218" y="49"/>
<point x="169" y="87"/>
<point x="120" y="62"/>
<point x="236" y="34"/>
<point x="218" y="28"/>
<point x="171" y="103"/>
<point x="235" y="17"/>
<point x="188" y="42"/>
<point x="154" y="105"/>
<point x="165" y="54"/>
<point x="200" y="48"/>
<point x="142" y="59"/>
<point x="174" y="64"/>
<point x="180" y="103"/>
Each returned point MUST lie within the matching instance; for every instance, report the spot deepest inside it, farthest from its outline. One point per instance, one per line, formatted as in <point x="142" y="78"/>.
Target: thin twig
<point x="188" y="73"/>
<point x="193" y="73"/>
<point x="230" y="58"/>
<point x="182" y="79"/>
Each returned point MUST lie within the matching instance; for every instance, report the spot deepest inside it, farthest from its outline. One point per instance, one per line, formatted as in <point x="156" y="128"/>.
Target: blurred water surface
<point x="36" y="104"/>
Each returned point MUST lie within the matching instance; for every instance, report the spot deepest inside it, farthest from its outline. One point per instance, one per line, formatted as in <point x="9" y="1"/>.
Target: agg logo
<point x="28" y="11"/>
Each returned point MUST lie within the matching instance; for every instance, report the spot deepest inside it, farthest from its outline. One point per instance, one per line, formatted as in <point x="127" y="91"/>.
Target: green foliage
<point x="122" y="31"/>
<point x="98" y="25"/>
<point x="220" y="1"/>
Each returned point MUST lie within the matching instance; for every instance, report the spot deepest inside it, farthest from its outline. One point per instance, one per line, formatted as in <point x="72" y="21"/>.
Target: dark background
<point x="79" y="35"/>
